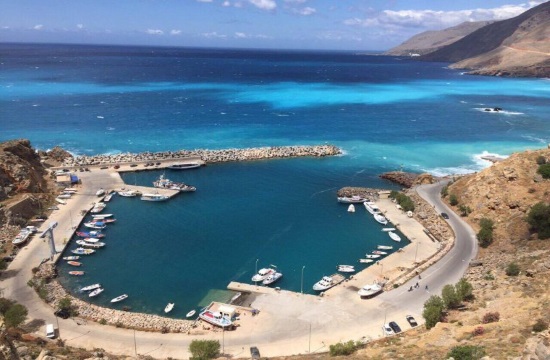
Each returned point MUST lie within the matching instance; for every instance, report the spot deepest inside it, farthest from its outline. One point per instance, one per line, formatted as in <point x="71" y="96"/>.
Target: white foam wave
<point x="110" y="128"/>
<point x="100" y="117"/>
<point x="505" y="112"/>
<point x="478" y="163"/>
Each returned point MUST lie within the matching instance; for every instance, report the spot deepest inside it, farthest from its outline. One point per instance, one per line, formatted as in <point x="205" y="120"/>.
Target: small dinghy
<point x="346" y="268"/>
<point x="366" y="260"/>
<point x="74" y="263"/>
<point x="384" y="247"/>
<point x="394" y="236"/>
<point x="76" y="257"/>
<point x="372" y="256"/>
<point x="378" y="252"/>
<point x="76" y="273"/>
<point x="191" y="313"/>
<point x="351" y="208"/>
<point x="119" y="298"/>
<point x="90" y="287"/>
<point x="169" y="307"/>
<point x="96" y="292"/>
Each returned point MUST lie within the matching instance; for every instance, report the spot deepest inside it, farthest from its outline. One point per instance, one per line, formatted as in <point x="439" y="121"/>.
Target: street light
<point x="302" y="283"/>
<point x="416" y="252"/>
<point x="256" y="270"/>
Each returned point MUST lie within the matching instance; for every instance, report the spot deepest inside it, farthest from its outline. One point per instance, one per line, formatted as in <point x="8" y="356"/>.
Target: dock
<point x="337" y="279"/>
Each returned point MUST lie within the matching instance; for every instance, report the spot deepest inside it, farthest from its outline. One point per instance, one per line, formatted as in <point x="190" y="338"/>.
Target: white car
<point x="387" y="330"/>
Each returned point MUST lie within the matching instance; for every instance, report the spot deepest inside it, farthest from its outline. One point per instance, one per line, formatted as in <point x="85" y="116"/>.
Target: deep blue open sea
<point x="386" y="113"/>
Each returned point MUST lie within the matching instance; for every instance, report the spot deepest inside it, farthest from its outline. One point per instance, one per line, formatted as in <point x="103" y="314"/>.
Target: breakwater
<point x="208" y="156"/>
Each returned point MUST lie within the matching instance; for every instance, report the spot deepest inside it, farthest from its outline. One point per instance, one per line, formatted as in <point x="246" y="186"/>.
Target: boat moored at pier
<point x="351" y="200"/>
<point x="184" y="166"/>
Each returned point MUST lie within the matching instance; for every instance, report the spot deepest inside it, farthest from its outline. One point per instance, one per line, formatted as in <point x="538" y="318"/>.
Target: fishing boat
<point x="263" y="274"/>
<point x="351" y="208"/>
<point x="100" y="192"/>
<point x="96" y="292"/>
<point x="119" y="298"/>
<point x="154" y="197"/>
<point x="384" y="247"/>
<point x="164" y="183"/>
<point x="378" y="252"/>
<point x="366" y="260"/>
<point x="82" y="251"/>
<point x="90" y="287"/>
<point x="76" y="273"/>
<point x="22" y="237"/>
<point x="74" y="263"/>
<point x="217" y="318"/>
<point x="370" y="290"/>
<point x="191" y="313"/>
<point x="71" y="257"/>
<point x="129" y="193"/>
<point x="90" y="234"/>
<point x="96" y="245"/>
<point x="169" y="307"/>
<point x="346" y="268"/>
<point x="380" y="218"/>
<point x="351" y="200"/>
<point x="394" y="236"/>
<point x="184" y="166"/>
<point x="272" y="278"/>
<point x="371" y="207"/>
<point x="95" y="225"/>
<point x="372" y="256"/>
<point x="324" y="284"/>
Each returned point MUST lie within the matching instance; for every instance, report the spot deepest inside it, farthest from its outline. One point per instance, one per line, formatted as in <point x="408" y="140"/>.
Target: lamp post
<point x="302" y="283"/>
<point x="256" y="270"/>
<point x="416" y="252"/>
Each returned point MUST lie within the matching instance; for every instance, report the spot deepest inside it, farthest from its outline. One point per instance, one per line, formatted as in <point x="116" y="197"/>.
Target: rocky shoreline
<point x="208" y="156"/>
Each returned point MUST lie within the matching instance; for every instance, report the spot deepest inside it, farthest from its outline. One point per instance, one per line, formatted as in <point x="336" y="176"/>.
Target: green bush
<point x="433" y="311"/>
<point x="403" y="200"/>
<point x="453" y="200"/>
<point x="538" y="219"/>
<point x="15" y="315"/>
<point x="445" y="191"/>
<point x="464" y="290"/>
<point x="5" y="305"/>
<point x="512" y="269"/>
<point x="485" y="234"/>
<point x="204" y="349"/>
<point x="466" y="352"/>
<point x="544" y="170"/>
<point x="340" y="348"/>
<point x="65" y="304"/>
<point x="540" y="325"/>
<point x="450" y="297"/>
<point x="464" y="210"/>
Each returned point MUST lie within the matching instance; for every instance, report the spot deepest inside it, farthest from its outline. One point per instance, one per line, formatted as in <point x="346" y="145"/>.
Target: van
<point x="50" y="331"/>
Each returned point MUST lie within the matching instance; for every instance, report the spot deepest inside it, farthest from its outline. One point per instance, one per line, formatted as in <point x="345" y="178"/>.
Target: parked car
<point x="396" y="329"/>
<point x="411" y="321"/>
<point x="387" y="329"/>
<point x="444" y="215"/>
<point x="254" y="352"/>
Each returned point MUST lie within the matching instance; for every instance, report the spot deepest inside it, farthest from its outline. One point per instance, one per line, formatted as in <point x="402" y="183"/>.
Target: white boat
<point x="388" y="229"/>
<point x="372" y="256"/>
<point x="73" y="190"/>
<point x="100" y="192"/>
<point x="98" y="207"/>
<point x="90" y="287"/>
<point x="394" y="236"/>
<point x="381" y="219"/>
<point x="169" y="307"/>
<point x="61" y="201"/>
<point x="191" y="313"/>
<point x="323" y="284"/>
<point x="184" y="166"/>
<point x="263" y="274"/>
<point x="82" y="251"/>
<point x="164" y="183"/>
<point x="351" y="200"/>
<point x="108" y="197"/>
<point x="119" y="298"/>
<point x="272" y="278"/>
<point x="64" y="196"/>
<point x="95" y="225"/>
<point x="384" y="247"/>
<point x="75" y="257"/>
<point x="218" y="318"/>
<point x="378" y="252"/>
<point x="91" y="240"/>
<point x="129" y="193"/>
<point x="351" y="208"/>
<point x="346" y="268"/>
<point x="96" y="245"/>
<point x="366" y="260"/>
<point x="154" y="197"/>
<point x="96" y="292"/>
<point x="371" y="207"/>
<point x="22" y="237"/>
<point x="370" y="290"/>
<point x="102" y="216"/>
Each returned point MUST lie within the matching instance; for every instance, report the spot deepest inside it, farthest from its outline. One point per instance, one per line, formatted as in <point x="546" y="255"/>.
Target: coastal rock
<point x="58" y="154"/>
<point x="20" y="168"/>
<point x="400" y="177"/>
<point x="363" y="192"/>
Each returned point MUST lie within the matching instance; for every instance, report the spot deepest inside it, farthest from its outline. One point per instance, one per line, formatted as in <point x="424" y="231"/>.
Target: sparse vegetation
<point x="512" y="269"/>
<point x="485" y="234"/>
<point x="491" y="317"/>
<point x="544" y="170"/>
<point x="464" y="210"/>
<point x="540" y="325"/>
<point x="450" y="297"/>
<point x="539" y="219"/>
<point x="15" y="315"/>
<point x="340" y="348"/>
<point x="478" y="331"/>
<point x="453" y="200"/>
<point x="433" y="311"/>
<point x="204" y="349"/>
<point x="445" y="191"/>
<point x="466" y="352"/>
<point x="403" y="200"/>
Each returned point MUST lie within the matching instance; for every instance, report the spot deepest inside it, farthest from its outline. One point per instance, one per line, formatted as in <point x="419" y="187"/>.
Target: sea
<point x="386" y="113"/>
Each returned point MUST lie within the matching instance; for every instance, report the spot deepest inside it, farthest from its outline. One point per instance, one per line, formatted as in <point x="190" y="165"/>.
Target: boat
<point x="129" y="193"/>
<point x="102" y="216"/>
<point x="217" y="318"/>
<point x="98" y="207"/>
<point x="95" y="225"/>
<point x="370" y="290"/>
<point x="96" y="245"/>
<point x="71" y="257"/>
<point x="119" y="298"/>
<point x="90" y="234"/>
<point x="388" y="229"/>
<point x="164" y="183"/>
<point x="22" y="237"/>
<point x="346" y="268"/>
<point x="384" y="247"/>
<point x="103" y="220"/>
<point x="73" y="190"/>
<point x="61" y="201"/>
<point x="96" y="292"/>
<point x="64" y="196"/>
<point x="91" y="240"/>
<point x="366" y="260"/>
<point x="191" y="313"/>
<point x="74" y="263"/>
<point x="380" y="218"/>
<point x="378" y="252"/>
<point x="76" y="273"/>
<point x="53" y="208"/>
<point x="108" y="197"/>
<point x="263" y="274"/>
<point x="324" y="284"/>
<point x="169" y="307"/>
<point x="394" y="236"/>
<point x="100" y="192"/>
<point x="372" y="256"/>
<point x="90" y="287"/>
<point x="184" y="166"/>
<point x="154" y="197"/>
<point x="82" y="251"/>
<point x="272" y="278"/>
<point x="372" y="207"/>
<point x="351" y="200"/>
<point x="351" y="208"/>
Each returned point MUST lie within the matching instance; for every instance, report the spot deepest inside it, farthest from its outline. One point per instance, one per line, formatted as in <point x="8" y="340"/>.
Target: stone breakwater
<point x="208" y="156"/>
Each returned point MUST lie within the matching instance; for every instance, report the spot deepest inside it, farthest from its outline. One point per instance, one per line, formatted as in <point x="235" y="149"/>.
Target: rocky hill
<point x="514" y="47"/>
<point x="430" y="41"/>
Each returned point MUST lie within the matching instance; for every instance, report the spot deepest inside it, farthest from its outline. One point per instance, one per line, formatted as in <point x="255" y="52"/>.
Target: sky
<point x="276" y="24"/>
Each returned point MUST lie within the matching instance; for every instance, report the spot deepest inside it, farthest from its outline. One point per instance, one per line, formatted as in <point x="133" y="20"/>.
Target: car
<point x="387" y="329"/>
<point x="254" y="352"/>
<point x="444" y="215"/>
<point x="62" y="313"/>
<point x="103" y="167"/>
<point x="411" y="320"/>
<point x="396" y="329"/>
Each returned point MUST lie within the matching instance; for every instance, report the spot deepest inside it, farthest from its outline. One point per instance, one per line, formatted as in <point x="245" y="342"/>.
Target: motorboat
<point x="100" y="192"/>
<point x="217" y="318"/>
<point x="96" y="292"/>
<point x="154" y="197"/>
<point x="388" y="229"/>
<point x="394" y="236"/>
<point x="380" y="218"/>
<point x="169" y="307"/>
<point x="263" y="274"/>
<point x="90" y="234"/>
<point x="129" y="193"/>
<point x="378" y="252"/>
<point x="191" y="313"/>
<point x="108" y="197"/>
<point x="119" y="298"/>
<point x="98" y="207"/>
<point x="184" y="166"/>
<point x="164" y="183"/>
<point x="91" y="240"/>
<point x="351" y="208"/>
<point x="71" y="257"/>
<point x="90" y="287"/>
<point x="351" y="200"/>
<point x="102" y="216"/>
<point x="372" y="207"/>
<point x="73" y="190"/>
<point x="370" y="290"/>
<point x="270" y="279"/>
<point x="82" y="251"/>
<point x="95" y="225"/>
<point x="22" y="237"/>
<point x="364" y="261"/>
<point x="324" y="284"/>
<point x="96" y="245"/>
<point x="384" y="247"/>
<point x="103" y="220"/>
<point x="346" y="268"/>
<point x="76" y="273"/>
<point x="64" y="196"/>
<point x="74" y="263"/>
<point x="372" y="256"/>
